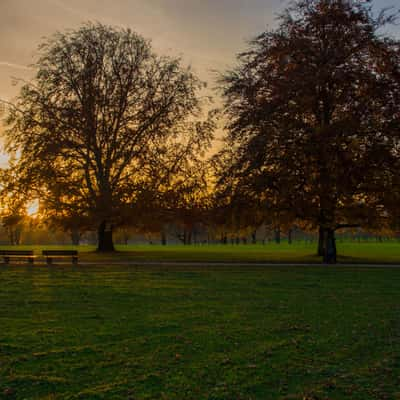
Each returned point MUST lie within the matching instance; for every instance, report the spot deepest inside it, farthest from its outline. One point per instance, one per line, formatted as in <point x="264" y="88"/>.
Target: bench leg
<point x="75" y="260"/>
<point x="6" y="260"/>
<point x="30" y="260"/>
<point x="49" y="260"/>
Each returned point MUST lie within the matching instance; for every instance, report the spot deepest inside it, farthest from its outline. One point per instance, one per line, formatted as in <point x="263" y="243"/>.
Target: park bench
<point x="60" y="254"/>
<point x="17" y="255"/>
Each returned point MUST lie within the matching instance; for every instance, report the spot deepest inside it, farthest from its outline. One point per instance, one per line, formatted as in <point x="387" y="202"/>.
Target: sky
<point x="207" y="34"/>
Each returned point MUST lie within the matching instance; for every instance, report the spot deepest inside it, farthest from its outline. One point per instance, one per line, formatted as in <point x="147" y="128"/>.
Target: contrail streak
<point x="84" y="15"/>
<point x="65" y="7"/>
<point x="15" y="66"/>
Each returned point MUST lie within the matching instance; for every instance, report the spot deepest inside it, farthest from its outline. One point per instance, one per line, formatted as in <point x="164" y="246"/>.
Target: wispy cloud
<point x="65" y="7"/>
<point x="15" y="66"/>
<point x="79" y="12"/>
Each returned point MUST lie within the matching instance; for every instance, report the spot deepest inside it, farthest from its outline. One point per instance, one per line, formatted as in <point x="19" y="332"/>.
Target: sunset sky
<point x="206" y="33"/>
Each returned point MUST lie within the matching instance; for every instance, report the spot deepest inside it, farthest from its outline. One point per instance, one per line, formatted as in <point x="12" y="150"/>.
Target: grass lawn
<point x="298" y="252"/>
<point x="197" y="333"/>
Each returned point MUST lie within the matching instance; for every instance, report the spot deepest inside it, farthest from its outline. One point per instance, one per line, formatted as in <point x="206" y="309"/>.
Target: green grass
<point x="216" y="333"/>
<point x="299" y="252"/>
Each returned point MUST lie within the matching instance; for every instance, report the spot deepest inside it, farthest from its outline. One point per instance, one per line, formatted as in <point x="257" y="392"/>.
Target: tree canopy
<point x="108" y="134"/>
<point x="313" y="112"/>
<point x="102" y="111"/>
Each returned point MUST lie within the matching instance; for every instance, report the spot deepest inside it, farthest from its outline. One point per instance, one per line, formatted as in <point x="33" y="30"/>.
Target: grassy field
<point x="298" y="252"/>
<point x="220" y="333"/>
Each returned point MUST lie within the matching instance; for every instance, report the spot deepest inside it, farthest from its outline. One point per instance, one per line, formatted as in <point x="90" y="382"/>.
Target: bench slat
<point x="16" y="252"/>
<point x="54" y="254"/>
<point x="59" y="252"/>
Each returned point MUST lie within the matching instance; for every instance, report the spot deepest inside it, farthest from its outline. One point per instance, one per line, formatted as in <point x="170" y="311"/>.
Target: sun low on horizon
<point x="199" y="199"/>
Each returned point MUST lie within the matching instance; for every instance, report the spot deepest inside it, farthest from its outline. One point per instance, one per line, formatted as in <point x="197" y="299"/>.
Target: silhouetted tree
<point x="13" y="204"/>
<point x="239" y="207"/>
<point x="101" y="107"/>
<point x="314" y="115"/>
<point x="180" y="195"/>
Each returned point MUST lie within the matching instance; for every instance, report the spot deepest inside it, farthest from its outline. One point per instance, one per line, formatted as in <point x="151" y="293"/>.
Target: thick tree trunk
<point x="105" y="239"/>
<point x="329" y="246"/>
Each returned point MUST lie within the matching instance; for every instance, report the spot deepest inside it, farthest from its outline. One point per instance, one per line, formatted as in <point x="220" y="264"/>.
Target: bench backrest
<point x="16" y="252"/>
<point x="59" y="252"/>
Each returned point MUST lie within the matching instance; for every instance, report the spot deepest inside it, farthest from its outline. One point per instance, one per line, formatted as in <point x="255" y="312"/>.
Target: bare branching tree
<point x="101" y="110"/>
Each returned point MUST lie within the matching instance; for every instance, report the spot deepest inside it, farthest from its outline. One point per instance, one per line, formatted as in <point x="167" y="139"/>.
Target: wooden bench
<point x="17" y="255"/>
<point x="56" y="254"/>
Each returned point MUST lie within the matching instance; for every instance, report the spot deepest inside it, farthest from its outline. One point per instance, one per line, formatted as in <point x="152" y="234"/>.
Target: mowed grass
<point x="198" y="332"/>
<point x="298" y="252"/>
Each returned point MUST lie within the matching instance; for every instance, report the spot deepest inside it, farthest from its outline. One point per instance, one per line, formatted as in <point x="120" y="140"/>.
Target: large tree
<point x="314" y="115"/>
<point x="102" y="107"/>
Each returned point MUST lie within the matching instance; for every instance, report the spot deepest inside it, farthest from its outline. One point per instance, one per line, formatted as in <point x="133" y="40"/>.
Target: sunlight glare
<point x="33" y="208"/>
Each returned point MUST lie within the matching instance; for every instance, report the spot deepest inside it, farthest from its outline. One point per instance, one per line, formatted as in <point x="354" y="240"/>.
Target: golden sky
<point x="206" y="33"/>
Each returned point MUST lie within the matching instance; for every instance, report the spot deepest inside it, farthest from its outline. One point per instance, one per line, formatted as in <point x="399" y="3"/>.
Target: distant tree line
<point x="110" y="136"/>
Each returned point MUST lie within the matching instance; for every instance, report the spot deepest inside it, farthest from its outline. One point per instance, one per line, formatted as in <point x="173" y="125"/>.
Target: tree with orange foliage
<point x="314" y="115"/>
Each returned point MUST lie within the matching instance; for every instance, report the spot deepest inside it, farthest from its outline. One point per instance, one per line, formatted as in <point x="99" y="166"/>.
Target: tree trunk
<point x="187" y="237"/>
<point x="16" y="238"/>
<point x="125" y="236"/>
<point x="254" y="237"/>
<point x="105" y="239"/>
<point x="329" y="246"/>
<point x="11" y="238"/>
<point x="321" y="241"/>
<point x="75" y="237"/>
<point x="163" y="238"/>
<point x="290" y="232"/>
<point x="277" y="235"/>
